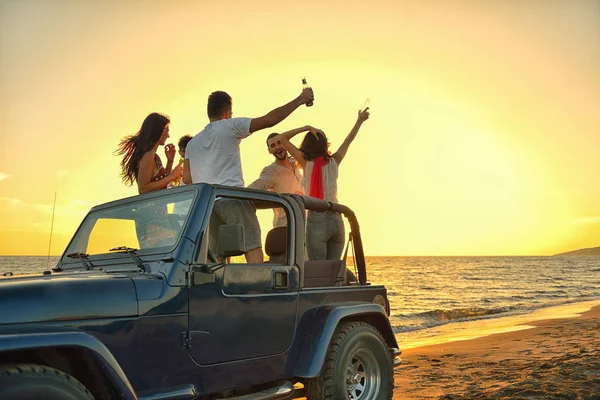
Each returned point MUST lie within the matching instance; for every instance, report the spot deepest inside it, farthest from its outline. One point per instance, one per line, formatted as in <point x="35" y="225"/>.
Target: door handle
<point x="280" y="279"/>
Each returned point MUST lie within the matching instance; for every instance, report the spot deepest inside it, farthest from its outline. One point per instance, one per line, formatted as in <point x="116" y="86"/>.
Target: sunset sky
<point x="484" y="134"/>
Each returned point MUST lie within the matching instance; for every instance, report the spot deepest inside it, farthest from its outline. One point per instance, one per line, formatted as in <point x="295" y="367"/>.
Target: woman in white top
<point x="325" y="234"/>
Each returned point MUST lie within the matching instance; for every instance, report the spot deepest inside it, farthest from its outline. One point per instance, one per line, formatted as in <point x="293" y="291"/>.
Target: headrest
<point x="276" y="241"/>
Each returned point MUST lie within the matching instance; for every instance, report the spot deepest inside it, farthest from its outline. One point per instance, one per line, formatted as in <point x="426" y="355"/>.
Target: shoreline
<point x="472" y="329"/>
<point x="552" y="353"/>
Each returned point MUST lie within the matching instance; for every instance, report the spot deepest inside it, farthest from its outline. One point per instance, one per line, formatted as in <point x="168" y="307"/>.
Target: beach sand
<point x="555" y="359"/>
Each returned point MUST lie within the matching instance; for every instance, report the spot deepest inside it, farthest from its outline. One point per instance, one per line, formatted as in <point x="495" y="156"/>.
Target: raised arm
<point x="170" y="154"/>
<point x="289" y="146"/>
<point x="341" y="152"/>
<point x="144" y="178"/>
<point x="279" y="114"/>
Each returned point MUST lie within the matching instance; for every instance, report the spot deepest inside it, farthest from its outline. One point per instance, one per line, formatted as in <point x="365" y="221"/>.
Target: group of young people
<point x="213" y="157"/>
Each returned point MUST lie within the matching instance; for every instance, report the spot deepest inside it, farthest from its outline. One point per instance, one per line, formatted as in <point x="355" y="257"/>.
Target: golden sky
<point x="485" y="115"/>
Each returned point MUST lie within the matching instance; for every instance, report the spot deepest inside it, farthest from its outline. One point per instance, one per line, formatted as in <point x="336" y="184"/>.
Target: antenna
<point x="51" y="229"/>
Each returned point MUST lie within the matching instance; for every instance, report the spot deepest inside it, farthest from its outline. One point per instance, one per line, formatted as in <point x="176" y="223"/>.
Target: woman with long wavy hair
<point x="325" y="234"/>
<point x="140" y="162"/>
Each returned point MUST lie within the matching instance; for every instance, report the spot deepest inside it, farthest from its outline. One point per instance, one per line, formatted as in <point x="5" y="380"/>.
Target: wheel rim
<point x="363" y="375"/>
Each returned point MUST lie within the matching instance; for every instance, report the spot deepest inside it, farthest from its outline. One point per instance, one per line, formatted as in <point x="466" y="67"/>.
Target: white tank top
<point x="330" y="176"/>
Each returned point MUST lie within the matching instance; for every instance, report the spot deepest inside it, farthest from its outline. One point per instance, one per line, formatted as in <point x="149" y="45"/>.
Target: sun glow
<point x="482" y="137"/>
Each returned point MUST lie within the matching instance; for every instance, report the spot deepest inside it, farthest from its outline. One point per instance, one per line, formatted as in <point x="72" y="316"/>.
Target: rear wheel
<point x="39" y="382"/>
<point x="357" y="367"/>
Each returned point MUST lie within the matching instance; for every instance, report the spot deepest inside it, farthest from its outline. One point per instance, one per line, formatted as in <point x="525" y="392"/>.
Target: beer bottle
<point x="177" y="181"/>
<point x="304" y="86"/>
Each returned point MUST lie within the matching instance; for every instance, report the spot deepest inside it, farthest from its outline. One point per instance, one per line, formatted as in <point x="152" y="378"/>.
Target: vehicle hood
<point x="66" y="296"/>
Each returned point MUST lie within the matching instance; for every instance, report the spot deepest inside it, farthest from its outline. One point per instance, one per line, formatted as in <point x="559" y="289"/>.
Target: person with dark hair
<point x="181" y="207"/>
<point x="182" y="144"/>
<point x="140" y="162"/>
<point x="282" y="176"/>
<point x="142" y="165"/>
<point x="325" y="234"/>
<point x="213" y="156"/>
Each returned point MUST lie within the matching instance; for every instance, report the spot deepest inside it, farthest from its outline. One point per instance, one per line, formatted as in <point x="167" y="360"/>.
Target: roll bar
<point x="318" y="205"/>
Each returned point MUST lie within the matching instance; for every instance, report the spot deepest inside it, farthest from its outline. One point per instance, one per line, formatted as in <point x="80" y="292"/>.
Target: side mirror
<point x="231" y="241"/>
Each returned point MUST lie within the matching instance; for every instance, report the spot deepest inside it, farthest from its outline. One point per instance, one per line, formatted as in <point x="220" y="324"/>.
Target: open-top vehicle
<point x="143" y="305"/>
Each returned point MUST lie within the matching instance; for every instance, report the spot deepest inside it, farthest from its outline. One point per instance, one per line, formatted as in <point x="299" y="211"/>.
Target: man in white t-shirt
<point x="213" y="156"/>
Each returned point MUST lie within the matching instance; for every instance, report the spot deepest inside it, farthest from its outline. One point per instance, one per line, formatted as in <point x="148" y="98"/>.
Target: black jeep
<point x="142" y="305"/>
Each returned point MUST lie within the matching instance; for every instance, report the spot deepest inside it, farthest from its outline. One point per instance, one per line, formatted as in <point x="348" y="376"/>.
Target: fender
<point x="317" y="327"/>
<point x="15" y="339"/>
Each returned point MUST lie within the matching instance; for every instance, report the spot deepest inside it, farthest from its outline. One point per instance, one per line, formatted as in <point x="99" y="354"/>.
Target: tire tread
<point x="12" y="371"/>
<point x="321" y="387"/>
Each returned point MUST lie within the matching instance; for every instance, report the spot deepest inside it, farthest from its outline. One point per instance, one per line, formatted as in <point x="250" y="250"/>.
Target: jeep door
<point x="239" y="310"/>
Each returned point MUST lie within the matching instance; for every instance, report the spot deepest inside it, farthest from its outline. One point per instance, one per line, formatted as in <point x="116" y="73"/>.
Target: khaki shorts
<point x="231" y="211"/>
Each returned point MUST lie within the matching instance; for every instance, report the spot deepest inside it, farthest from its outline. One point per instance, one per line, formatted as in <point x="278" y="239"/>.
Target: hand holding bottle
<point x="363" y="115"/>
<point x="176" y="174"/>
<point x="177" y="181"/>
<point x="305" y="86"/>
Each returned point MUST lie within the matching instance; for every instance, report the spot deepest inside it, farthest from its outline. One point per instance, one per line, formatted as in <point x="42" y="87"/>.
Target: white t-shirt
<point x="214" y="153"/>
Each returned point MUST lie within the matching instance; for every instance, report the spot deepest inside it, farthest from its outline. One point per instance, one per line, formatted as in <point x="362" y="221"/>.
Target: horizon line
<point x="396" y="255"/>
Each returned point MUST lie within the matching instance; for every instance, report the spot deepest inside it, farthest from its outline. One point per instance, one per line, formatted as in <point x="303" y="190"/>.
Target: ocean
<point x="429" y="292"/>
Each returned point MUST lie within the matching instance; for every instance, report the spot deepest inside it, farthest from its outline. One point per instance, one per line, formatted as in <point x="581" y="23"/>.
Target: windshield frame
<point x="151" y="252"/>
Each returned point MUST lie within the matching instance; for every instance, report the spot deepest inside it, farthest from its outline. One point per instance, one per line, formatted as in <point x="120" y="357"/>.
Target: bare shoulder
<point x="148" y="157"/>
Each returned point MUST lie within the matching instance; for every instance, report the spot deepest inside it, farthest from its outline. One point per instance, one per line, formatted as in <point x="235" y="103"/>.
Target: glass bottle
<point x="305" y="86"/>
<point x="177" y="180"/>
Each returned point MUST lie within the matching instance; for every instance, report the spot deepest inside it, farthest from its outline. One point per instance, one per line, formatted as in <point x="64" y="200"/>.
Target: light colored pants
<point x="325" y="235"/>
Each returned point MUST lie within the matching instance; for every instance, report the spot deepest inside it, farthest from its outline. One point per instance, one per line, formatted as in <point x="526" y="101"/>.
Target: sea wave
<point x="455" y="314"/>
<point x="431" y="319"/>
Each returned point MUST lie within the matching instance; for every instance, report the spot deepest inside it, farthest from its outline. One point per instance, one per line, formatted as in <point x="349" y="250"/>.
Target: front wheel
<point x="39" y="382"/>
<point x="357" y="367"/>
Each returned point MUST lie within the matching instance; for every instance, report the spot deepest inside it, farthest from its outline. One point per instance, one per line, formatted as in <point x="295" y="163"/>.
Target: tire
<point x="357" y="366"/>
<point x="39" y="382"/>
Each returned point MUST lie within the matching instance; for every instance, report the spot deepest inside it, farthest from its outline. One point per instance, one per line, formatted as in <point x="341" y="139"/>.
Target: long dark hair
<point x="133" y="147"/>
<point x="312" y="148"/>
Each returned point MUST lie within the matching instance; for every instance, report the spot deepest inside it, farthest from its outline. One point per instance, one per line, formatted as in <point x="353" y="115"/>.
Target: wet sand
<point x="556" y="359"/>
